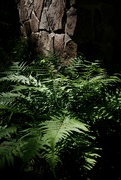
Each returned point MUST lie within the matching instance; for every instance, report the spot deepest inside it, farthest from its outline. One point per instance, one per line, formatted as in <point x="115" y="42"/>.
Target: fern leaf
<point x="59" y="128"/>
<point x="31" y="144"/>
<point x="90" y="160"/>
<point x="16" y="78"/>
<point x="56" y="130"/>
<point x="4" y="132"/>
<point x="9" y="150"/>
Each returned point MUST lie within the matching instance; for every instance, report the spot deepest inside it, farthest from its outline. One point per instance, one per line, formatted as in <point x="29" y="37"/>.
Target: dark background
<point x="98" y="31"/>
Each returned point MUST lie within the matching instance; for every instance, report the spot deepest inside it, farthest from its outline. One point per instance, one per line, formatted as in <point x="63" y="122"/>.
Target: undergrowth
<point x="51" y="115"/>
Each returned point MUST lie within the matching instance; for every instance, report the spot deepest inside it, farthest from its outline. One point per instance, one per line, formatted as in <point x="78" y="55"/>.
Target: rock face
<point x="49" y="24"/>
<point x="66" y="27"/>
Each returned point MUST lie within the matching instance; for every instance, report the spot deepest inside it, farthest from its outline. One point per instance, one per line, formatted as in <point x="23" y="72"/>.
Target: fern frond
<point x="16" y="79"/>
<point x="8" y="151"/>
<point x="32" y="139"/>
<point x="103" y="78"/>
<point x="59" y="128"/>
<point x="56" y="130"/>
<point x="7" y="100"/>
<point x="6" y="154"/>
<point x="25" y="148"/>
<point x="7" y="131"/>
<point x="90" y="160"/>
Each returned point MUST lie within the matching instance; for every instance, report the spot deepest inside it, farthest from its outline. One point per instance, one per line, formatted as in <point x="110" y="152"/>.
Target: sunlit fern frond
<point x="20" y="79"/>
<point x="96" y="82"/>
<point x="17" y="67"/>
<point x="105" y="79"/>
<point x="91" y="159"/>
<point x="56" y="130"/>
<point x="80" y="67"/>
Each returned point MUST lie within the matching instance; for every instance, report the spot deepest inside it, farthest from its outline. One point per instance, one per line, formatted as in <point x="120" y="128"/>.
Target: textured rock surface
<point x="48" y="23"/>
<point x="59" y="44"/>
<point x="67" y="26"/>
<point x="34" y="22"/>
<point x="55" y="14"/>
<point x="71" y="21"/>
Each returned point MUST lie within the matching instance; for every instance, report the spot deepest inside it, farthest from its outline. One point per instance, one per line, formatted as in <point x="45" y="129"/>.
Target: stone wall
<point x="66" y="27"/>
<point x="49" y="24"/>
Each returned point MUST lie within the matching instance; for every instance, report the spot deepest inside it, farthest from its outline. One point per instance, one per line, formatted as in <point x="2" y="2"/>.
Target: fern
<point x="49" y="139"/>
<point x="20" y="79"/>
<point x="90" y="160"/>
<point x="7" y="131"/>
<point x="10" y="148"/>
<point x="32" y="143"/>
<point x="55" y="131"/>
<point x="56" y="112"/>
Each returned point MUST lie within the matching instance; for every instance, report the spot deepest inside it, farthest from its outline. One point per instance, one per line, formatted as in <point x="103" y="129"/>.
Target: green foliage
<point x="50" y="112"/>
<point x="57" y="130"/>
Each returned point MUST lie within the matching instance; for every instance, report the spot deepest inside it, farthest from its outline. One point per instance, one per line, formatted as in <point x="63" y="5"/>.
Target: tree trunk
<point x="50" y="25"/>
